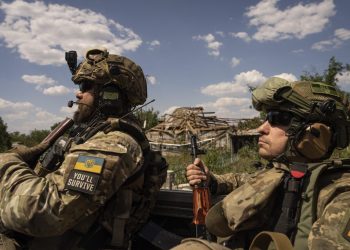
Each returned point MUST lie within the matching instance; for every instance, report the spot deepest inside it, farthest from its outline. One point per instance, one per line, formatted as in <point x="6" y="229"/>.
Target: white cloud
<point x="234" y="97"/>
<point x="287" y="76"/>
<point x="153" y="44"/>
<point x="11" y="106"/>
<point x="212" y="44"/>
<point x="230" y="101"/>
<point x="238" y="86"/>
<point x="57" y="90"/>
<point x="298" y="51"/>
<point x="41" y="81"/>
<point x="344" y="79"/>
<point x="235" y="62"/>
<point x="68" y="111"/>
<point x="230" y="107"/>
<point x="170" y="110"/>
<point x="224" y="88"/>
<point x="296" y="21"/>
<point x="220" y="33"/>
<point x="340" y="35"/>
<point x="18" y="115"/>
<point x="326" y="44"/>
<point x="25" y="117"/>
<point x="242" y="35"/>
<point x="227" y="102"/>
<point x="43" y="120"/>
<point x="252" y="78"/>
<point x="151" y="79"/>
<point x="38" y="79"/>
<point x="41" y="33"/>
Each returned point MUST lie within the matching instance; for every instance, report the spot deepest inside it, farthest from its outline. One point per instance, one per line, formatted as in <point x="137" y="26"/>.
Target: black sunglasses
<point x="277" y="117"/>
<point x="85" y="86"/>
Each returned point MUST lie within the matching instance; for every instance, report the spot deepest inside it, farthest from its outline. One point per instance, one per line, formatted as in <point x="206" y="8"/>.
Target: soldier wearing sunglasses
<point x="303" y="200"/>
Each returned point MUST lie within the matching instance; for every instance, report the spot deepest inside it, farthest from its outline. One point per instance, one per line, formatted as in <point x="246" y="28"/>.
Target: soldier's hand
<point x="195" y="174"/>
<point x="30" y="154"/>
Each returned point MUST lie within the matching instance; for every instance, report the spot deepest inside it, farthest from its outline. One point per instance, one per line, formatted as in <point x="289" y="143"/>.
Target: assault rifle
<point x="201" y="199"/>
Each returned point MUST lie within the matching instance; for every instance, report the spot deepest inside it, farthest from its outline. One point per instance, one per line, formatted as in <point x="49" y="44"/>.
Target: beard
<point x="83" y="113"/>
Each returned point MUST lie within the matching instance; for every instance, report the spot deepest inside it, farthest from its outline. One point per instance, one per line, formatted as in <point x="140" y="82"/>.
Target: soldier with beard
<point x="95" y="188"/>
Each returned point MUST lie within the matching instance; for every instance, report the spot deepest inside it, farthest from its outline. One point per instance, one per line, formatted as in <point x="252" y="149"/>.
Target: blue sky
<point x="194" y="52"/>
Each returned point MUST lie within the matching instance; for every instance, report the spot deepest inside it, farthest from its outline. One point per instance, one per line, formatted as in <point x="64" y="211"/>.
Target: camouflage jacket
<point x="89" y="176"/>
<point x="226" y="183"/>
<point x="250" y="207"/>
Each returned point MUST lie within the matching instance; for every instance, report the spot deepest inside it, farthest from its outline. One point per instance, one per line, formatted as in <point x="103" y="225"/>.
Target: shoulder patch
<point x="85" y="174"/>
<point x="89" y="164"/>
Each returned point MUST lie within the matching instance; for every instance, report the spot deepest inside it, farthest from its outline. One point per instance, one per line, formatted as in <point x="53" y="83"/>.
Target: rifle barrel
<point x="59" y="130"/>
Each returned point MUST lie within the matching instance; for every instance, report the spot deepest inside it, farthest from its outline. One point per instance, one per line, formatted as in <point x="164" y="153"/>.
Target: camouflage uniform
<point x="226" y="183"/>
<point x="251" y="207"/>
<point x="97" y="197"/>
<point x="323" y="214"/>
<point x="331" y="230"/>
<point x="43" y="206"/>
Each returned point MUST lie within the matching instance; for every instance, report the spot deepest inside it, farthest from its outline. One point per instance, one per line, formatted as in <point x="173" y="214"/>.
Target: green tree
<point x="17" y="137"/>
<point x="251" y="123"/>
<point x="148" y="117"/>
<point x="314" y="77"/>
<point x="5" y="138"/>
<point x="329" y="75"/>
<point x="34" y="137"/>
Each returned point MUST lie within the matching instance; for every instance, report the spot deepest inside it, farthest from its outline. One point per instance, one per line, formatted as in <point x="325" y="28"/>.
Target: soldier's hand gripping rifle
<point x="30" y="155"/>
<point x="201" y="199"/>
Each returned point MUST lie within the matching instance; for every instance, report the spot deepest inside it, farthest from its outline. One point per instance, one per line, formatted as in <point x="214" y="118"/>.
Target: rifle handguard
<point x="201" y="205"/>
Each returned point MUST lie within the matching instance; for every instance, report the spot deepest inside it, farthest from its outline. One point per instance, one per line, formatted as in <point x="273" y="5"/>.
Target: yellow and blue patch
<point x="85" y="175"/>
<point x="90" y="164"/>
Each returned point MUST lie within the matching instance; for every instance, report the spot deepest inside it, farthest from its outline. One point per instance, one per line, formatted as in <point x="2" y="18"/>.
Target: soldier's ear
<point x="315" y="141"/>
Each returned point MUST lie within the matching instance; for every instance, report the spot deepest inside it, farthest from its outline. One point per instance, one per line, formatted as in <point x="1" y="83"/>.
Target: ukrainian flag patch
<point x="89" y="164"/>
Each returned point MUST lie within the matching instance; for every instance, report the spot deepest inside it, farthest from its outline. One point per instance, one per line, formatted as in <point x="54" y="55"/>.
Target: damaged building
<point x="174" y="132"/>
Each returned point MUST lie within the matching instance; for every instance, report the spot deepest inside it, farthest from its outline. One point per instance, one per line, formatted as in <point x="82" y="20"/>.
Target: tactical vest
<point x="307" y="212"/>
<point x="129" y="209"/>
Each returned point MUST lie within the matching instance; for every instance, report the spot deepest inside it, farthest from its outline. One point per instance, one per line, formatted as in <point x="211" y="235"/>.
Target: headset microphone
<point x="70" y="103"/>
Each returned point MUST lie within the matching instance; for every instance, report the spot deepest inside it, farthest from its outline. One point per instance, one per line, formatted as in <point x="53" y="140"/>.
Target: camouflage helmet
<point x="102" y="68"/>
<point x="309" y="102"/>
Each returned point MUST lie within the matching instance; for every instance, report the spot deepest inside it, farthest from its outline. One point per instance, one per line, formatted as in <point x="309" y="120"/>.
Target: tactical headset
<point x="314" y="142"/>
<point x="111" y="101"/>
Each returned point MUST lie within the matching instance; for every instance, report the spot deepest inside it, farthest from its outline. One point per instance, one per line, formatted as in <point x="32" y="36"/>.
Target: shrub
<point x="219" y="161"/>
